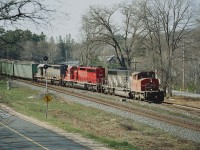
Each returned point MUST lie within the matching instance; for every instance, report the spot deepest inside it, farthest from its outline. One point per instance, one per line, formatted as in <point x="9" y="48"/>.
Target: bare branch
<point x="14" y="11"/>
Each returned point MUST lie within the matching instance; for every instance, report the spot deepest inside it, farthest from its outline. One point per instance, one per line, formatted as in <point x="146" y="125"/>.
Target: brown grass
<point x="193" y="102"/>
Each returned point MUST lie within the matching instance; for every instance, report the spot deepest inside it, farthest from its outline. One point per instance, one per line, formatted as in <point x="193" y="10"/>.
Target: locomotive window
<point x="56" y="67"/>
<point x="91" y="70"/>
<point x="82" y="68"/>
<point x="41" y="69"/>
<point x="146" y="75"/>
<point x="112" y="72"/>
<point x="152" y="75"/>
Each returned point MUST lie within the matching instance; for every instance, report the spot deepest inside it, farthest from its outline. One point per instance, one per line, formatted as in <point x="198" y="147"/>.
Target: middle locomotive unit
<point x="92" y="78"/>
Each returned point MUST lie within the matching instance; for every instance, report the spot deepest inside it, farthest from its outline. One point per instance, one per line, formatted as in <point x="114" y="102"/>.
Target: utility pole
<point x="66" y="56"/>
<point x="135" y="64"/>
<point x="183" y="78"/>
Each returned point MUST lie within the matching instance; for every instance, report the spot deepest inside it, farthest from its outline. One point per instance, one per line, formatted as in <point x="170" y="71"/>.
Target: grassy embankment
<point x="114" y="131"/>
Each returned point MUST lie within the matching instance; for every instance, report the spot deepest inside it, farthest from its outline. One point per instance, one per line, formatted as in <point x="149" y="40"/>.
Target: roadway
<point x="16" y="133"/>
<point x="185" y="94"/>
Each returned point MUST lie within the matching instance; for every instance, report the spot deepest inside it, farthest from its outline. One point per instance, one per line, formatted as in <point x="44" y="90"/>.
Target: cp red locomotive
<point x="145" y="86"/>
<point x="91" y="77"/>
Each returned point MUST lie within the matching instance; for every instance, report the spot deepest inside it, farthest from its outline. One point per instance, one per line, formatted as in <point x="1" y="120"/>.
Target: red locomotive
<point x="91" y="77"/>
<point x="145" y="86"/>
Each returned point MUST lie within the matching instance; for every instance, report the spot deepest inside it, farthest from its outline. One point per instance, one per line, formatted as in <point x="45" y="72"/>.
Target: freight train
<point x="136" y="85"/>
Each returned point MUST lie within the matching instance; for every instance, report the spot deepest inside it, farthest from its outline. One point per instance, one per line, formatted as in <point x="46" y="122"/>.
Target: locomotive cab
<point x="145" y="86"/>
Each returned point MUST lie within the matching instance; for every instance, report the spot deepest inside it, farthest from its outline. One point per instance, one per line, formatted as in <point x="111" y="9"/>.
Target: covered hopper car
<point x="6" y="67"/>
<point x="19" y="69"/>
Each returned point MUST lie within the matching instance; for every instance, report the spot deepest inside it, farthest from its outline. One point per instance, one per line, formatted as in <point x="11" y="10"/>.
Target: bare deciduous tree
<point x="53" y="51"/>
<point x="17" y="13"/>
<point x="168" y="22"/>
<point x="13" y="11"/>
<point x="124" y="38"/>
<point x="89" y="49"/>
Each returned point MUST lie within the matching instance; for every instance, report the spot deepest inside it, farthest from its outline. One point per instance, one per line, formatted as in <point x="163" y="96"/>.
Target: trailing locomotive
<point x="136" y="85"/>
<point x="54" y="74"/>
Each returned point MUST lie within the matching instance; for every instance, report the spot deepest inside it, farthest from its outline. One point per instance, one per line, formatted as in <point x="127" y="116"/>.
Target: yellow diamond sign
<point x="47" y="98"/>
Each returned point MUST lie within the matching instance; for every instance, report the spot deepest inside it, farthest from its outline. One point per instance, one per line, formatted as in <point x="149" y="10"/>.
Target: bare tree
<point x="13" y="11"/>
<point x="53" y="52"/>
<point x="168" y="22"/>
<point x="17" y="13"/>
<point x="124" y="38"/>
<point x="89" y="49"/>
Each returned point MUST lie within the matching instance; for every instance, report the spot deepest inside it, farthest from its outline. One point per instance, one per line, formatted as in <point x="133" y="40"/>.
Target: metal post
<point x="183" y="80"/>
<point x="46" y="80"/>
<point x="47" y="110"/>
<point x="127" y="79"/>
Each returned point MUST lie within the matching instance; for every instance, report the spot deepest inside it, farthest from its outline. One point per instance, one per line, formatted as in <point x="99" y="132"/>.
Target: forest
<point x="163" y="36"/>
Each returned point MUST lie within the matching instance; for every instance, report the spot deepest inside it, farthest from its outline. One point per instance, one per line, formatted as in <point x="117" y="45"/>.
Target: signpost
<point x="47" y="98"/>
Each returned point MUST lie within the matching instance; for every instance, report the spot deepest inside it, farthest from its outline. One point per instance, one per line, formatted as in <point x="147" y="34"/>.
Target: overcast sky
<point x="65" y="25"/>
<point x="74" y="8"/>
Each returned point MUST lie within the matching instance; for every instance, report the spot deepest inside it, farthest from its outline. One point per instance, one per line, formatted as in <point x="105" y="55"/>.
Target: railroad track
<point x="139" y="111"/>
<point x="197" y="109"/>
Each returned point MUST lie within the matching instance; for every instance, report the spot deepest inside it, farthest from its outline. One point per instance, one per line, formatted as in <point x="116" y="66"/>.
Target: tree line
<point x="25" y="45"/>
